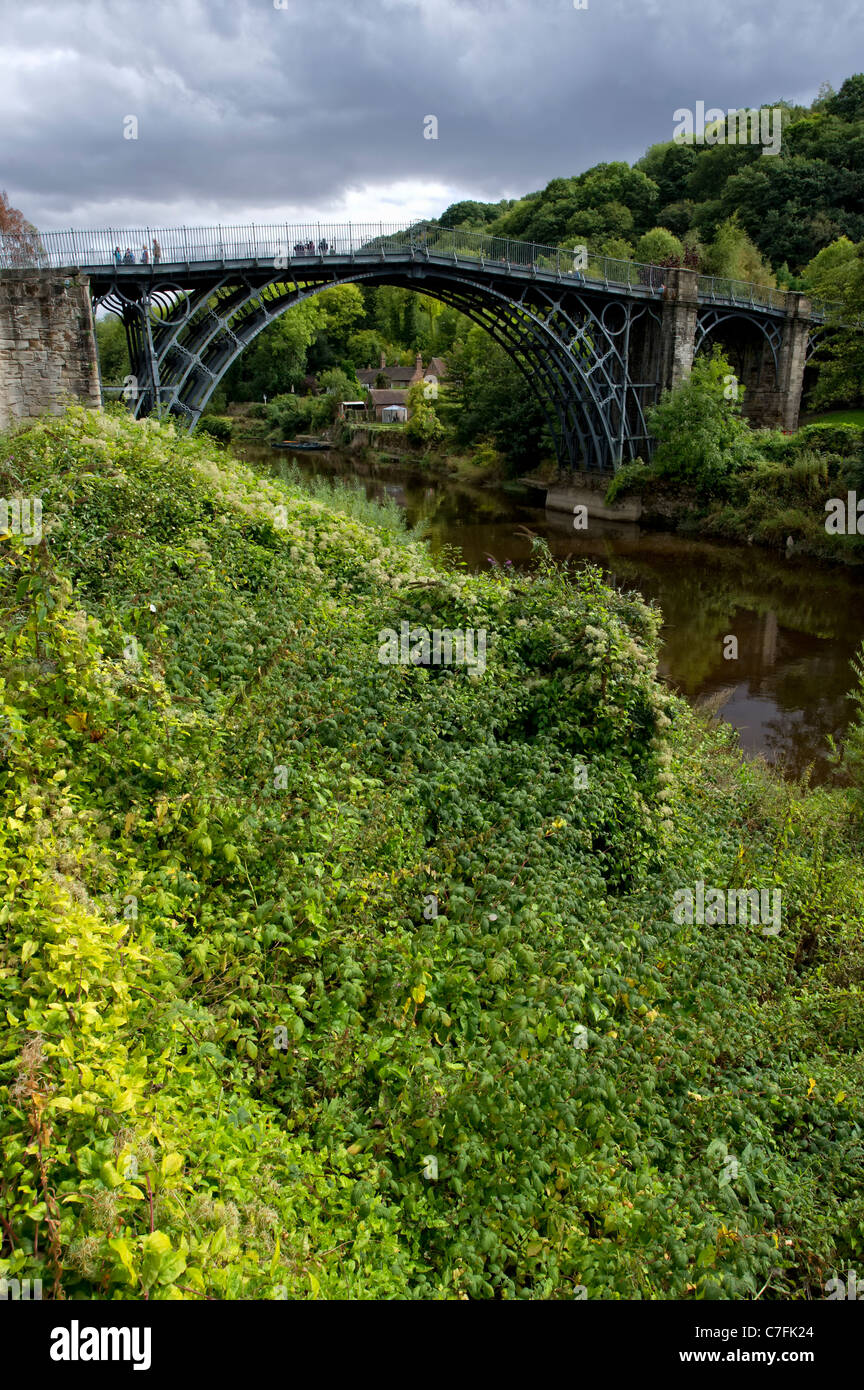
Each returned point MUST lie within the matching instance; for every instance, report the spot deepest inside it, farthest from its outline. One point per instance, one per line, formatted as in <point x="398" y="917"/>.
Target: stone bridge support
<point x="47" y="344"/>
<point x="773" y="399"/>
<point x="678" y="328"/>
<point x="771" y="373"/>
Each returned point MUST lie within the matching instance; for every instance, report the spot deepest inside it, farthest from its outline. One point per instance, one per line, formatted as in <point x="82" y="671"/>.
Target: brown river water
<point x="798" y="623"/>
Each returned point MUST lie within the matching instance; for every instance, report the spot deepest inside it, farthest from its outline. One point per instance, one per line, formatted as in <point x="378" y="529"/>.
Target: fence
<point x="286" y="245"/>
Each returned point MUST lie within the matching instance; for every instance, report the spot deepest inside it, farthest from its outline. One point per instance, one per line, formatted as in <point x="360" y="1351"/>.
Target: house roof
<point x="369" y="375"/>
<point x="437" y="366"/>
<point x="388" y="397"/>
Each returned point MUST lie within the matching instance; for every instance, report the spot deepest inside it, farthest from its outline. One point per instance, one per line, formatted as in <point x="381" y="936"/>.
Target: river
<point x="798" y="623"/>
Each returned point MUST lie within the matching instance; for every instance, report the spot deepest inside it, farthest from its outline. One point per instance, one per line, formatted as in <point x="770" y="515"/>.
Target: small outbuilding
<point x="390" y="406"/>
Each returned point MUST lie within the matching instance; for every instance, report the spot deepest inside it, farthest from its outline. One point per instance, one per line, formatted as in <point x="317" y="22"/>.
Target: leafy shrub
<point x="283" y="925"/>
<point x="843" y="439"/>
<point x="217" y="426"/>
<point x="290" y="414"/>
<point x="702" y="439"/>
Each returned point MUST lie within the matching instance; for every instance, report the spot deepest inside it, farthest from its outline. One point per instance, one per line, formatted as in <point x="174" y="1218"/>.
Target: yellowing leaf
<point x="418" y="993"/>
<point x="77" y="720"/>
<point x="124" y="1253"/>
<point x="812" y="1087"/>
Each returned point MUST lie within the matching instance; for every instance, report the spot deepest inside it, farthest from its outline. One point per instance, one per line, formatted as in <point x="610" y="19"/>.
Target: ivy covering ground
<point x="326" y="978"/>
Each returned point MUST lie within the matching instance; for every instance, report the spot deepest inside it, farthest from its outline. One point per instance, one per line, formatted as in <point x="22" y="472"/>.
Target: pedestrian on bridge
<point x="118" y="258"/>
<point x="145" y="256"/>
<point x="157" y="252"/>
<point x="128" y="258"/>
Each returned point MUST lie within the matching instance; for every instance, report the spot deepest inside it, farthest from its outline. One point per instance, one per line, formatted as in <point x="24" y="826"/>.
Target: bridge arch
<point x="599" y="338"/>
<point x="571" y="346"/>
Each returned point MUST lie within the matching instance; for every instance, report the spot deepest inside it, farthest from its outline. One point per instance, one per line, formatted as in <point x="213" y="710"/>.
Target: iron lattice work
<point x="584" y="329"/>
<point x="575" y="346"/>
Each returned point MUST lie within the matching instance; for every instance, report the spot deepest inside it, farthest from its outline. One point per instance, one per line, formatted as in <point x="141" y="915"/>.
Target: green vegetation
<point x="217" y="426"/>
<point x="713" y="473"/>
<point x="323" y="978"/>
<point x="794" y="220"/>
<point x="740" y="213"/>
<point x="838" y="417"/>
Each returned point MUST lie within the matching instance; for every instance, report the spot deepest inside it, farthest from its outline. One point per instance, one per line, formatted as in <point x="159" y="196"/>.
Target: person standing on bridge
<point x="145" y="255"/>
<point x="118" y="259"/>
<point x="128" y="258"/>
<point x="157" y="252"/>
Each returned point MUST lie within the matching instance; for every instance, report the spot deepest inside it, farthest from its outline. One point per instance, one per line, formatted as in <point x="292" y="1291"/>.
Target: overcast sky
<point x="248" y="112"/>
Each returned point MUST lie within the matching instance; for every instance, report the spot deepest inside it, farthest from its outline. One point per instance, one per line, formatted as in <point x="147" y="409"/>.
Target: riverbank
<point x="712" y="474"/>
<point x="375" y="978"/>
<point x="798" y="623"/>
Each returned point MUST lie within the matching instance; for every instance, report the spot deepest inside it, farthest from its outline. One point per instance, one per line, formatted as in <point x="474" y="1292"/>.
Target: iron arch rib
<point x="570" y="341"/>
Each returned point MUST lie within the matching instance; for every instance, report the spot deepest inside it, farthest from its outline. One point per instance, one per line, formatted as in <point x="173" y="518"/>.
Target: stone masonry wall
<point x="47" y="344"/>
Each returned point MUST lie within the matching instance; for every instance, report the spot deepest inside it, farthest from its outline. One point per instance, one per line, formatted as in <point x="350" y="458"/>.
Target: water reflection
<point x="798" y="623"/>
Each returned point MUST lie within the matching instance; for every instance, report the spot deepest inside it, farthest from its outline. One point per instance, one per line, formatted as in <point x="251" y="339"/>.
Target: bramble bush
<point x="323" y="978"/>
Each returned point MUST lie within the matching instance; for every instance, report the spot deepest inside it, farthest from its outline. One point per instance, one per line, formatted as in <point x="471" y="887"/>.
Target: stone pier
<point x="47" y="344"/>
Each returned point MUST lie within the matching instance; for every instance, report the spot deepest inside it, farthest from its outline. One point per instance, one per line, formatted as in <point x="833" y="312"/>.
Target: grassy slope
<point x="837" y="417"/>
<point x="236" y="1027"/>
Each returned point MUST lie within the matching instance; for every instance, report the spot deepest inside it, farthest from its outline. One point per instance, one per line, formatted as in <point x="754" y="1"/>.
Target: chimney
<point x="418" y="367"/>
<point x="383" y="360"/>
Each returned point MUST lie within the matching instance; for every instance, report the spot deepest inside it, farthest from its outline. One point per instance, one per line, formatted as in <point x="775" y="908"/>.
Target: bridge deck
<point x="188" y="253"/>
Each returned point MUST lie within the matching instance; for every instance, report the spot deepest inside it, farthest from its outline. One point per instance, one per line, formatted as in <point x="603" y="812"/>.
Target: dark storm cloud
<point x="245" y="109"/>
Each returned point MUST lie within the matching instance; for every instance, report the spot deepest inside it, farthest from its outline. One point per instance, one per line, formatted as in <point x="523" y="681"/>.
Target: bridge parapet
<point x="597" y="338"/>
<point x="286" y="246"/>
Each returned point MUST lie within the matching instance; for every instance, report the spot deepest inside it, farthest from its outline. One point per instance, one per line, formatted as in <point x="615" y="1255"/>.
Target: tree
<point x="840" y="356"/>
<point x="495" y="400"/>
<point x="668" y="166"/>
<point x="340" y="308"/>
<point x="733" y="256"/>
<point x="473" y="215"/>
<point x="365" y="348"/>
<point x="340" y="387"/>
<point x="616" y="247"/>
<point x="832" y="271"/>
<point x="21" y="239"/>
<point x="423" y="424"/>
<point x="276" y="360"/>
<point x="793" y="207"/>
<point x="702" y="438"/>
<point x="412" y="325"/>
<point x="849" y="101"/>
<point x="113" y="351"/>
<point x="659" y="247"/>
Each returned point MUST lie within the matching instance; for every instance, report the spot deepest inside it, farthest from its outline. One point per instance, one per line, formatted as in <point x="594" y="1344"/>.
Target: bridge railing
<point x="725" y="291"/>
<point x="286" y="244"/>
